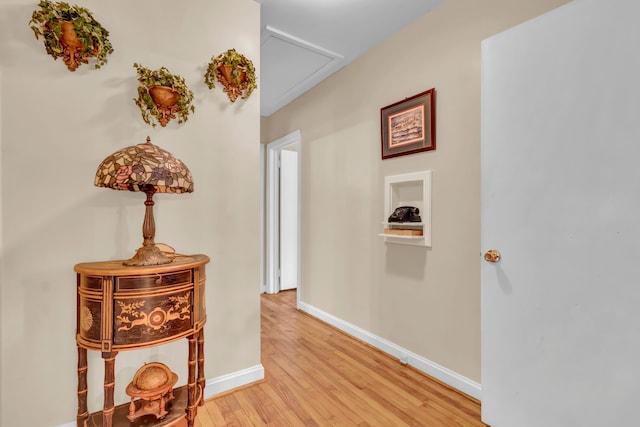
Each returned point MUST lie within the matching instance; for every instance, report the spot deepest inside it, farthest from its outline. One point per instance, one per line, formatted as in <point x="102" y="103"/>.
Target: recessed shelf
<point x="411" y="189"/>
<point x="400" y="237"/>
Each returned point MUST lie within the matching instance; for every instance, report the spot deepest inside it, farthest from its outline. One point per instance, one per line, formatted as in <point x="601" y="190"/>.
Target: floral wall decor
<point x="234" y="71"/>
<point x="71" y="32"/>
<point x="162" y="96"/>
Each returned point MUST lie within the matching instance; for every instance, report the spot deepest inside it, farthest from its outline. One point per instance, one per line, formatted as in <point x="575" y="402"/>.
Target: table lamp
<point x="150" y="169"/>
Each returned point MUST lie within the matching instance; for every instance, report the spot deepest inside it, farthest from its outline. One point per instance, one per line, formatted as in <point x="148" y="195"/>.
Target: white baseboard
<point x="447" y="376"/>
<point x="223" y="383"/>
<point x="233" y="380"/>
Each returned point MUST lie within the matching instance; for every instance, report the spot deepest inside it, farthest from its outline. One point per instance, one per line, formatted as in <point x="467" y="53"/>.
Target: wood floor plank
<point x="317" y="376"/>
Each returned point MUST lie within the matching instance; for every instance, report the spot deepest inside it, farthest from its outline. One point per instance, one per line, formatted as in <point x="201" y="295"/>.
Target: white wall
<point x="425" y="300"/>
<point x="56" y="127"/>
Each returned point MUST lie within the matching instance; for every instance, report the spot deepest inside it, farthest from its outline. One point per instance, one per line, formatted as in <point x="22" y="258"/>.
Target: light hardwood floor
<point x="316" y="375"/>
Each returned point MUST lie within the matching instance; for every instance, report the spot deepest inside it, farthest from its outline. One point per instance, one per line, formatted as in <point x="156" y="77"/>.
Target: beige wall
<point x="425" y="300"/>
<point x="56" y="127"/>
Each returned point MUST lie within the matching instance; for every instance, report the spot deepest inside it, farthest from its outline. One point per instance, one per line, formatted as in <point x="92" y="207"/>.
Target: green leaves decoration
<point x="93" y="38"/>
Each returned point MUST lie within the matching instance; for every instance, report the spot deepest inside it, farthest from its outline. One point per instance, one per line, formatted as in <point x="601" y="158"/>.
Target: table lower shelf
<point x="175" y="418"/>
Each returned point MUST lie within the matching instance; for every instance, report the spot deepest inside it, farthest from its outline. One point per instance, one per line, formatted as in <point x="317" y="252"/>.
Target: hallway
<point x="316" y="375"/>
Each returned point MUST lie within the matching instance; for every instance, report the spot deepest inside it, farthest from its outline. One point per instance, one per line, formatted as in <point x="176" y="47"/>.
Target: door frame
<point x="272" y="231"/>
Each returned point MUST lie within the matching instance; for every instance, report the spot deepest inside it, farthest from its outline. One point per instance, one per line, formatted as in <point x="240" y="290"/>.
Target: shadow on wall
<point x="409" y="262"/>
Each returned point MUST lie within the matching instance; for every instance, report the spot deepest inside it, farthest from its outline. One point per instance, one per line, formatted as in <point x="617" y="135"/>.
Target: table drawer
<point x="93" y="283"/>
<point x="147" y="319"/>
<point x="160" y="280"/>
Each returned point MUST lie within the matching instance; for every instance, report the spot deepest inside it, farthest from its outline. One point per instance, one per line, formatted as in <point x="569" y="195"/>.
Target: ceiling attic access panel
<point x="312" y="65"/>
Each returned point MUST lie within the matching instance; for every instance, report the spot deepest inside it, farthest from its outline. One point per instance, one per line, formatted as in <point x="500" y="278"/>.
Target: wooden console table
<point x="127" y="308"/>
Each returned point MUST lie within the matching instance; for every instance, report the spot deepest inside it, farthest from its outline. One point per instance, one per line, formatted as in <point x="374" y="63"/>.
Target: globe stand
<point x="153" y="386"/>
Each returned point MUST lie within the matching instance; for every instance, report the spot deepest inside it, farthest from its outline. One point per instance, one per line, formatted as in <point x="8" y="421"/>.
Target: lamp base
<point x="148" y="255"/>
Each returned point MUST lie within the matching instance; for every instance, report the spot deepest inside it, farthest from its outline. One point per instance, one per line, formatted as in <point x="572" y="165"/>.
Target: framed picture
<point x="409" y="126"/>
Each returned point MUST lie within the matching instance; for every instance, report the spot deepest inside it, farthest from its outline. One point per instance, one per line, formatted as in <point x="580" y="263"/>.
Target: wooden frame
<point x="409" y="126"/>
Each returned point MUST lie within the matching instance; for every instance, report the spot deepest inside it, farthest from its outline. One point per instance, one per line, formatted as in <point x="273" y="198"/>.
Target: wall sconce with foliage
<point x="234" y="71"/>
<point x="162" y="96"/>
<point x="72" y="33"/>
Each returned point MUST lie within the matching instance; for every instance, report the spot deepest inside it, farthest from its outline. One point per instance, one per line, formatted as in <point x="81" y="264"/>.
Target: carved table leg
<point x="132" y="409"/>
<point x="83" y="414"/>
<point x="192" y="386"/>
<point x="201" y="380"/>
<point x="162" y="412"/>
<point x="109" y="385"/>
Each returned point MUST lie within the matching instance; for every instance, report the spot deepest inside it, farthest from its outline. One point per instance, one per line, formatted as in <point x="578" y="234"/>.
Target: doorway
<point x="283" y="214"/>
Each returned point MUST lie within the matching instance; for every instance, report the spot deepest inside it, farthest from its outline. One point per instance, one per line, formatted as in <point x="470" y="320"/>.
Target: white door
<point x="288" y="219"/>
<point x="561" y="202"/>
<point x="275" y="185"/>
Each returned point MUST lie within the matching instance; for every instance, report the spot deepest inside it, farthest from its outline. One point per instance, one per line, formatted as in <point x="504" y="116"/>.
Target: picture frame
<point x="409" y="126"/>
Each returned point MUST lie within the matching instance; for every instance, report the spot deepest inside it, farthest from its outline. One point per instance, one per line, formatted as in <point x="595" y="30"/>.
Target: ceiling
<point x="305" y="41"/>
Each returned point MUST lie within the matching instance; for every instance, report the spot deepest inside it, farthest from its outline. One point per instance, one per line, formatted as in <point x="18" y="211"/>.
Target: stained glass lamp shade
<point x="150" y="169"/>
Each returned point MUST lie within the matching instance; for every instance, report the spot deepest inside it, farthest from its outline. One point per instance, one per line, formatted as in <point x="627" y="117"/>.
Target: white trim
<point x="272" y="209"/>
<point x="421" y="180"/>
<point x="299" y="146"/>
<point x="233" y="380"/>
<point x="263" y="285"/>
<point x="2" y="257"/>
<point x="221" y="384"/>
<point x="447" y="376"/>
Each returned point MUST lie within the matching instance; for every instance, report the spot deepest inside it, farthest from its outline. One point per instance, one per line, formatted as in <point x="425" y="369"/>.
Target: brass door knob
<point x="492" y="255"/>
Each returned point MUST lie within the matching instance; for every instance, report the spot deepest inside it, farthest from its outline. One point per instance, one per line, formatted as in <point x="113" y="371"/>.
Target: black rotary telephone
<point x="405" y="214"/>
